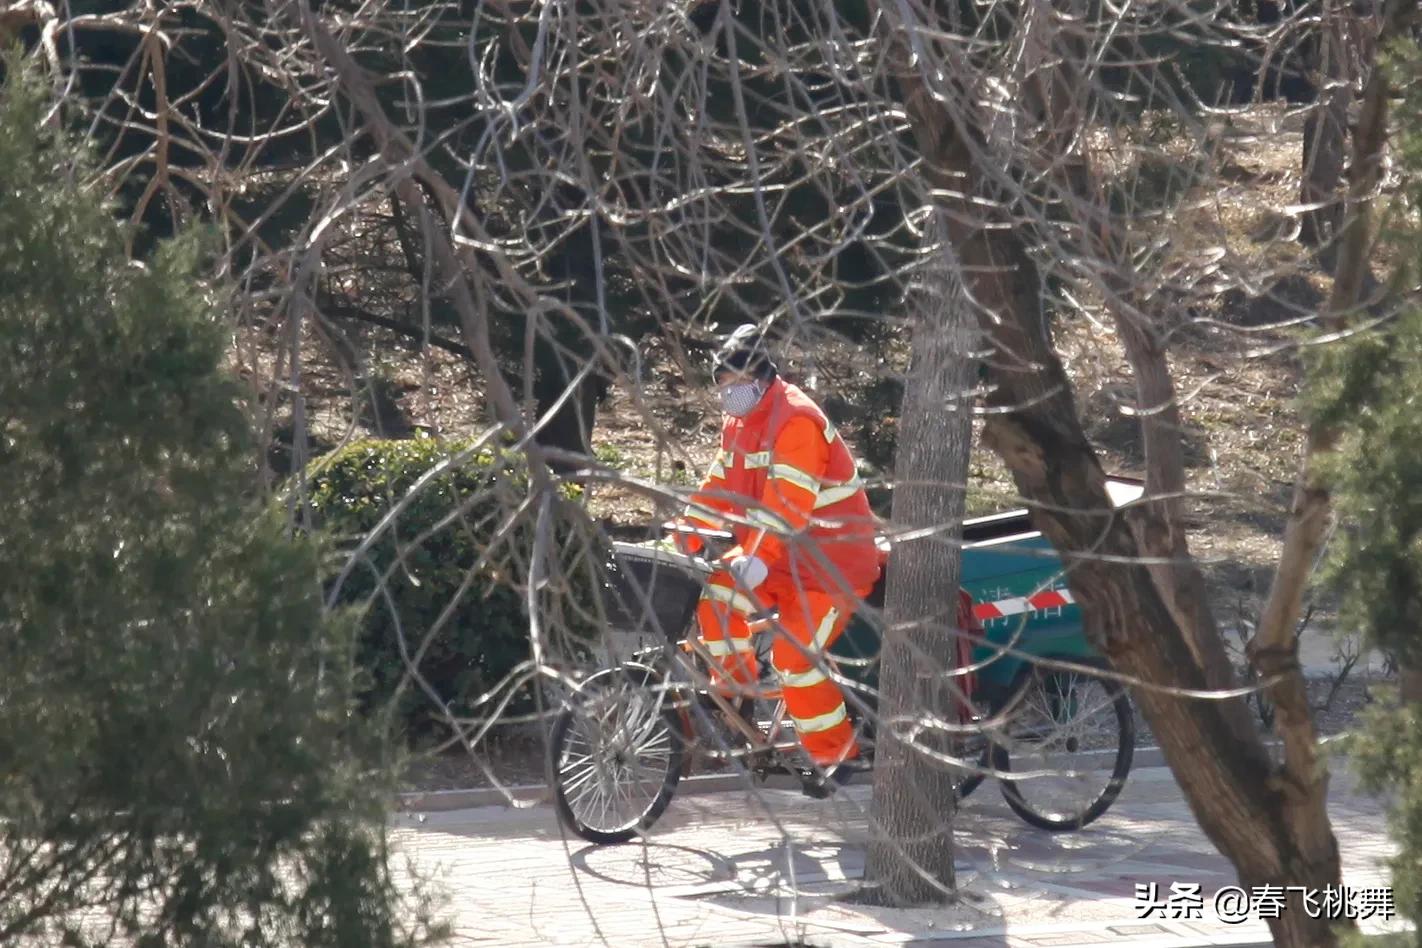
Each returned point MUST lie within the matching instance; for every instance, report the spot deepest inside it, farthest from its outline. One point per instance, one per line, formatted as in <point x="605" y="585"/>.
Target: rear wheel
<point x="1067" y="737"/>
<point x="974" y="778"/>
<point x="616" y="754"/>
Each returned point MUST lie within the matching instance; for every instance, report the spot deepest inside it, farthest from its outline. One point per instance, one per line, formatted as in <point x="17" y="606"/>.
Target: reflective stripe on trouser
<point x="721" y="618"/>
<point x="813" y="620"/>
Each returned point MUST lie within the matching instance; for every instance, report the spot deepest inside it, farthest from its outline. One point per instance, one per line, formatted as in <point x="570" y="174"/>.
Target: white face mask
<point x="738" y="398"/>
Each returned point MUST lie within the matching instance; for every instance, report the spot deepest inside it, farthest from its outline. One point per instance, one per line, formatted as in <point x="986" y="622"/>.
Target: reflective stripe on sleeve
<point x="768" y="519"/>
<point x="834" y="495"/>
<point x="701" y="515"/>
<point x="822" y="722"/>
<point x="793" y="475"/>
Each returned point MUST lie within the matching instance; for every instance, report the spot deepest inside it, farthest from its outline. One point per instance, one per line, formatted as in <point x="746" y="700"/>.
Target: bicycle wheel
<point x="616" y="753"/>
<point x="1068" y="737"/>
<point x="971" y="781"/>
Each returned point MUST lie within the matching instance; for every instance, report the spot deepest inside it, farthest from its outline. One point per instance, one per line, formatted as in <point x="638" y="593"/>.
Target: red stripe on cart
<point x="1002" y="608"/>
<point x="1050" y="599"/>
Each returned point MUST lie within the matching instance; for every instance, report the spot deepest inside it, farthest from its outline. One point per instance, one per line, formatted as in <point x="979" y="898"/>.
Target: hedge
<point x="461" y="513"/>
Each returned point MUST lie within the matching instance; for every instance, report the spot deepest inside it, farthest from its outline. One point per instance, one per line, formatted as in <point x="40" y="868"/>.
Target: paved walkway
<point x="765" y="868"/>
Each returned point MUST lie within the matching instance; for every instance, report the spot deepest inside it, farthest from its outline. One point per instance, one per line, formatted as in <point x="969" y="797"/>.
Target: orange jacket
<point x="788" y="473"/>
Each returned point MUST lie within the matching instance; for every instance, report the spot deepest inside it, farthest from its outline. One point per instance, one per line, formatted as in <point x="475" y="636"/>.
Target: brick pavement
<point x="767" y="867"/>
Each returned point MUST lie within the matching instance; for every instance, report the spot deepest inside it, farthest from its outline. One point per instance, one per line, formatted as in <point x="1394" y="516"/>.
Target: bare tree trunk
<point x="1325" y="134"/>
<point x="1056" y="96"/>
<point x="564" y="423"/>
<point x="1159" y="523"/>
<point x="910" y="857"/>
<point x="1274" y="648"/>
<point x="1411" y="682"/>
<point x="453" y="269"/>
<point x="1271" y="824"/>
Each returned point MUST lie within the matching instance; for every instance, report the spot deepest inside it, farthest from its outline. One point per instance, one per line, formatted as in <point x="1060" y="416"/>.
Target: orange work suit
<point x="786" y="484"/>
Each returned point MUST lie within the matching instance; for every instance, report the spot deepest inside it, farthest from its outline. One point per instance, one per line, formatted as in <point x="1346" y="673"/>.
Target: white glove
<point x="750" y="571"/>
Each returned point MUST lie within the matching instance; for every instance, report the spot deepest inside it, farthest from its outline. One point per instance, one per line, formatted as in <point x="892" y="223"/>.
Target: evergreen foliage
<point x="439" y="583"/>
<point x="1369" y="386"/>
<point x="178" y="745"/>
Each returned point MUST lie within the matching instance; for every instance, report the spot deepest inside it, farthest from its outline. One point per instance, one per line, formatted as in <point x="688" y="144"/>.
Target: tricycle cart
<point x="1041" y="716"/>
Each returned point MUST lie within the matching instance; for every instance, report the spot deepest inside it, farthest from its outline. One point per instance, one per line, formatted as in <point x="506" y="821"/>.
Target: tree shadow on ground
<point x="810" y="885"/>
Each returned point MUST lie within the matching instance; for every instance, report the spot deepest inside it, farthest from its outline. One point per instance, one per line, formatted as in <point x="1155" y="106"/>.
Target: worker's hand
<point x="749" y="571"/>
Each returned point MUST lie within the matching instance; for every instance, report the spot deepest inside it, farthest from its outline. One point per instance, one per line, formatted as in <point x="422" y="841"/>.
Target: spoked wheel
<point x="616" y="752"/>
<point x="1068" y="738"/>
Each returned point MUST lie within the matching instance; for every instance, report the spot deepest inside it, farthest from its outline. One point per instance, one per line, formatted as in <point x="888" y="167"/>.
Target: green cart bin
<point x="1006" y="563"/>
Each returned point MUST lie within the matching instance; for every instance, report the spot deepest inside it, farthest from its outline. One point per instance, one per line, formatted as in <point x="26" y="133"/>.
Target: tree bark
<point x="1272" y="825"/>
<point x="1274" y="648"/>
<point x="910" y="858"/>
<point x="1159" y="522"/>
<point x="564" y="423"/>
<point x="1055" y="96"/>
<point x="1325" y="134"/>
<point x="454" y="270"/>
<point x="1410" y="691"/>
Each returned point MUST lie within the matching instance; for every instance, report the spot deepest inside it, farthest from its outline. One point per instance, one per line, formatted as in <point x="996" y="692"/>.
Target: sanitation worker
<point x="805" y="546"/>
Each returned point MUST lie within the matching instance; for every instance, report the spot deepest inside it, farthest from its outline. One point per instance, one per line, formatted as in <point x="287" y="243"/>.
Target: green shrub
<point x="179" y="764"/>
<point x="1367" y="386"/>
<point x="444" y="584"/>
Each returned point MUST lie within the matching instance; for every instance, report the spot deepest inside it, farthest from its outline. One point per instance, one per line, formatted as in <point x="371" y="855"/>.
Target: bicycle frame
<point x="760" y="738"/>
<point x="688" y="705"/>
<point x="697" y="661"/>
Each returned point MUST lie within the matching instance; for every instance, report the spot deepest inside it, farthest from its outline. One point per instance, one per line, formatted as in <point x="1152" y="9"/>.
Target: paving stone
<point x="747" y="868"/>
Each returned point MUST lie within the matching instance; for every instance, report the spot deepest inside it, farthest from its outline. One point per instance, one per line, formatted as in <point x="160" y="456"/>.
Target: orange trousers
<point x="810" y="621"/>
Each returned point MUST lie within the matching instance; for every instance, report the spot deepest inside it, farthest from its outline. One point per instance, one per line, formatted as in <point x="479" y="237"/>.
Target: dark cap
<point x="745" y="350"/>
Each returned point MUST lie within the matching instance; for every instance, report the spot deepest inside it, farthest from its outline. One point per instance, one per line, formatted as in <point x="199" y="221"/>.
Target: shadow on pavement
<point x="804" y="887"/>
<point x="649" y="865"/>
